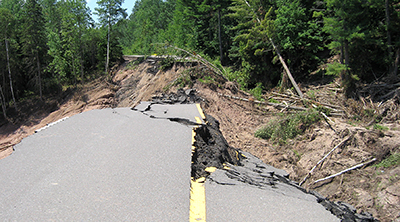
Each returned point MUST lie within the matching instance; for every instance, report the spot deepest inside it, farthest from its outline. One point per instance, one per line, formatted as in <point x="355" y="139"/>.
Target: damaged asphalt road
<point x="136" y="165"/>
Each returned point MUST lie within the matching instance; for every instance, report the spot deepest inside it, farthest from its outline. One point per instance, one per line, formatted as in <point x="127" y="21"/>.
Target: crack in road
<point x="180" y="120"/>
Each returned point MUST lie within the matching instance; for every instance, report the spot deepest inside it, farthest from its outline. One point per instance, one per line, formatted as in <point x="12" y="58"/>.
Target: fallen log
<point x="346" y="170"/>
<point x="323" y="159"/>
<point x="326" y="105"/>
<point x="276" y="105"/>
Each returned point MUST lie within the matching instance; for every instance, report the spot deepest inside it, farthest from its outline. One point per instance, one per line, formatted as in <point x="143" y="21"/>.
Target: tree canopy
<point x="47" y="44"/>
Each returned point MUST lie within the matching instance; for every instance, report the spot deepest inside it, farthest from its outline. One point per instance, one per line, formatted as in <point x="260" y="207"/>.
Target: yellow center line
<point x="197" y="189"/>
<point x="197" y="200"/>
<point x="200" y="111"/>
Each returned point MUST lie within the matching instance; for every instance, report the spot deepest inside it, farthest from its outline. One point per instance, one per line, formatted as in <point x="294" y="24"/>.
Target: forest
<point x="48" y="45"/>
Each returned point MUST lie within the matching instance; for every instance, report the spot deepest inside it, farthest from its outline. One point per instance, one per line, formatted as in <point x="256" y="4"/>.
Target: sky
<point x="128" y="4"/>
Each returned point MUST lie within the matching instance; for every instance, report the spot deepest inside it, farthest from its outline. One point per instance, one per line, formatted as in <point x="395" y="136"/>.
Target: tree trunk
<point x="74" y="69"/>
<point x="284" y="83"/>
<point x="396" y="62"/>
<point x="341" y="53"/>
<point x="9" y="76"/>
<point x="108" y="45"/>
<point x="389" y="38"/>
<point x="2" y="100"/>
<point x="219" y="37"/>
<point x="286" y="69"/>
<point x="346" y="53"/>
<point x="39" y="75"/>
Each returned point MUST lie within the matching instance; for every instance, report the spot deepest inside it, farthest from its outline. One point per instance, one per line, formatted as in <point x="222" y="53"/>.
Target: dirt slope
<point x="376" y="190"/>
<point x="371" y="189"/>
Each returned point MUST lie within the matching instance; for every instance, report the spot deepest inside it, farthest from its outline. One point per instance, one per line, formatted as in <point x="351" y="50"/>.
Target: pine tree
<point x="7" y="22"/>
<point x="109" y="12"/>
<point x="33" y="41"/>
<point x="66" y="43"/>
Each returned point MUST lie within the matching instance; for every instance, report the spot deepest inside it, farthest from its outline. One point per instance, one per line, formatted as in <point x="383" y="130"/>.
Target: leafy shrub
<point x="242" y="78"/>
<point x="279" y="130"/>
<point x="257" y="91"/>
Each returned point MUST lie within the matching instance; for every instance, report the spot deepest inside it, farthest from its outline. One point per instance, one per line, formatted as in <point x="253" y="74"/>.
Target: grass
<point x="184" y="80"/>
<point x="288" y="127"/>
<point x="208" y="80"/>
<point x="392" y="160"/>
<point x="131" y="65"/>
<point x="380" y="127"/>
<point x="297" y="154"/>
<point x="272" y="100"/>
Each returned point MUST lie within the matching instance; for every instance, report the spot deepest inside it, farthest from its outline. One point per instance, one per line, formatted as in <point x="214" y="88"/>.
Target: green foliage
<point x="184" y="80"/>
<point x="241" y="77"/>
<point x="131" y="65"/>
<point x="392" y="160"/>
<point x="33" y="42"/>
<point x="66" y="30"/>
<point x="110" y="12"/>
<point x="146" y="25"/>
<point x="297" y="153"/>
<point x="257" y="91"/>
<point x="324" y="110"/>
<point x="167" y="63"/>
<point x="283" y="128"/>
<point x="252" y="46"/>
<point x="380" y="127"/>
<point x="335" y="69"/>
<point x="56" y="42"/>
<point x="208" y="80"/>
<point x="272" y="100"/>
<point x="299" y="33"/>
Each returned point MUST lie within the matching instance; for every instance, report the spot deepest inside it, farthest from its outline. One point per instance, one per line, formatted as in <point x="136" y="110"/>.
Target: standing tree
<point x="65" y="38"/>
<point x="6" y="21"/>
<point x="33" y="41"/>
<point x="109" y="12"/>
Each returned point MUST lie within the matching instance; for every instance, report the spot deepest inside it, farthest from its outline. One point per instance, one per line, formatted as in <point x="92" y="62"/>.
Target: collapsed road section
<point x="241" y="184"/>
<point x="243" y="188"/>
